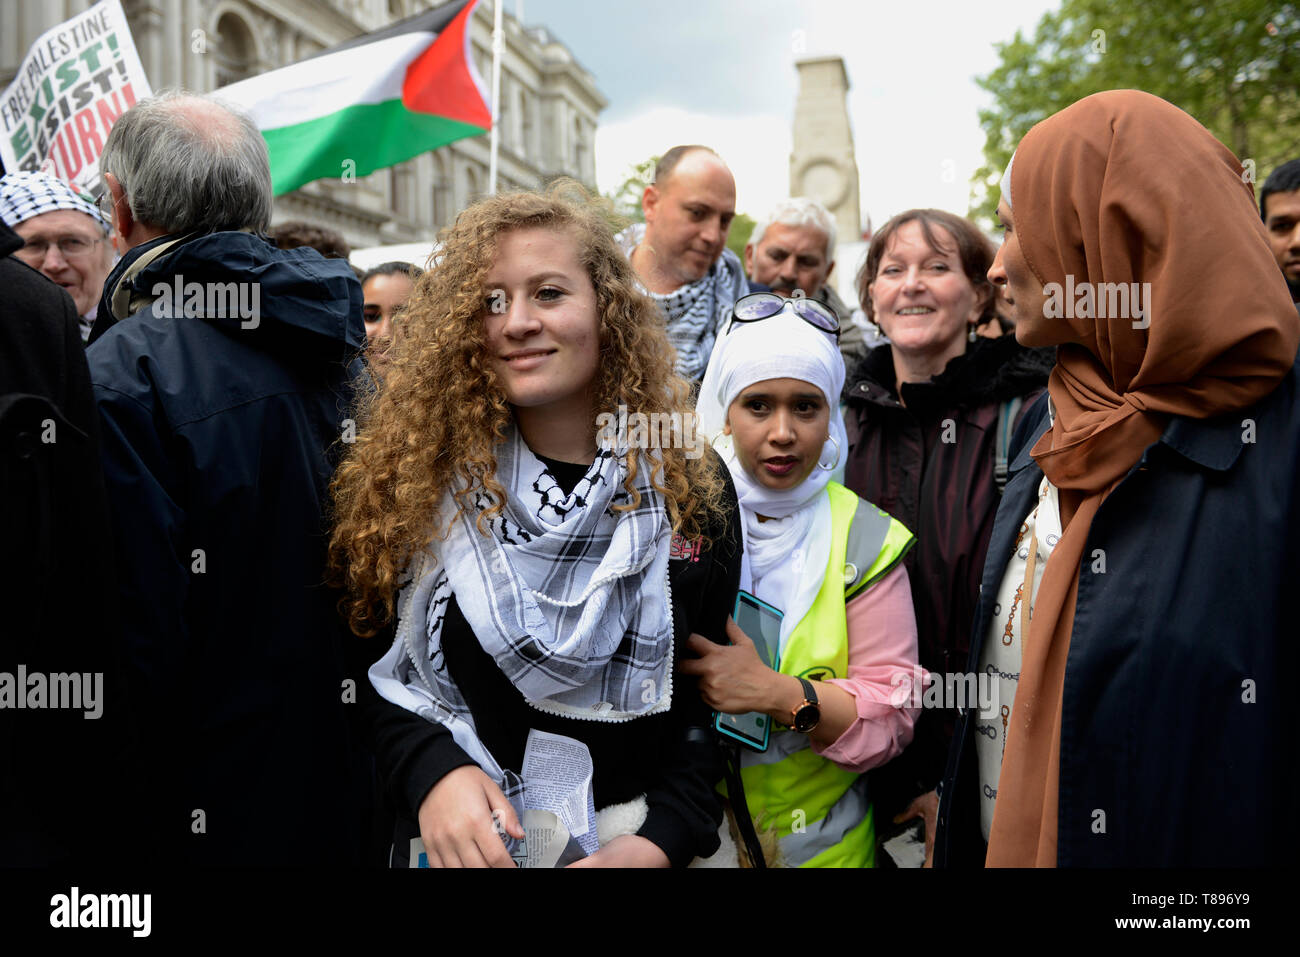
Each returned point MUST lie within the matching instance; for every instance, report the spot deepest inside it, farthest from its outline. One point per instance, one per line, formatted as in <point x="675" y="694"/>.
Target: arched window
<point x="235" y="55"/>
<point x="401" y="194"/>
<point x="506" y="113"/>
<point x="442" y="197"/>
<point x="526" y="108"/>
<point x="516" y="126"/>
<point x="471" y="186"/>
<point x="580" y="150"/>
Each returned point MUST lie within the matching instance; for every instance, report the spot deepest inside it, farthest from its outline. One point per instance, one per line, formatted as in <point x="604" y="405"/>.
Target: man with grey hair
<point x="221" y="368"/>
<point x="792" y="252"/>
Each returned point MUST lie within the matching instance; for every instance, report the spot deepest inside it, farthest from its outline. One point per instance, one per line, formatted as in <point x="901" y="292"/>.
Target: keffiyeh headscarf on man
<point x="568" y="596"/>
<point x="785" y="559"/>
<point x="24" y="195"/>
<point x="696" y="311"/>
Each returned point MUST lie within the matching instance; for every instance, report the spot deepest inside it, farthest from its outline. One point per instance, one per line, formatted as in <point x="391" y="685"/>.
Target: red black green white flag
<point x="371" y="102"/>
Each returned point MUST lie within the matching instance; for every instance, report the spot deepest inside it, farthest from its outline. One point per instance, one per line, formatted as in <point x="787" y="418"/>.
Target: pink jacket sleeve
<point x="882" y="667"/>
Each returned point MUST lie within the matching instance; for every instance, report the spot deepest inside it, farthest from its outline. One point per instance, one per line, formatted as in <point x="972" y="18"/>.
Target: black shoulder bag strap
<point x="739" y="806"/>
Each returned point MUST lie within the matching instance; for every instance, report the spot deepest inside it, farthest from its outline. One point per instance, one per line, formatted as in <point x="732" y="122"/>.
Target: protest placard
<point x="74" y="83"/>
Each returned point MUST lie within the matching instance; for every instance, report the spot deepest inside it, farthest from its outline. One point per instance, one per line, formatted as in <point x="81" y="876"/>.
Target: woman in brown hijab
<point x="1149" y="518"/>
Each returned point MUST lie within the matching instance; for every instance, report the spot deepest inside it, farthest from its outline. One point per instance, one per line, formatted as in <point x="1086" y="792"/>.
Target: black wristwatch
<point x="806" y="717"/>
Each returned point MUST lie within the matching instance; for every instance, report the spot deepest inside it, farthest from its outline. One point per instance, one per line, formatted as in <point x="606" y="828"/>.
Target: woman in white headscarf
<point x="830" y="563"/>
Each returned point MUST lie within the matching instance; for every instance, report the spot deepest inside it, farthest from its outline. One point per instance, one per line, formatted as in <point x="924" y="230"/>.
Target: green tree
<point x="742" y="227"/>
<point x="1232" y="64"/>
<point x="627" y="198"/>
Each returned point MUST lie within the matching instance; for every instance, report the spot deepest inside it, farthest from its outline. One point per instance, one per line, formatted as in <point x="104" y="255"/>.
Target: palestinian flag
<point x="375" y="101"/>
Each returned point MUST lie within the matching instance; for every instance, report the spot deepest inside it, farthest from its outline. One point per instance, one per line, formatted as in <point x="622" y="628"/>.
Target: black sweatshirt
<point x="676" y="768"/>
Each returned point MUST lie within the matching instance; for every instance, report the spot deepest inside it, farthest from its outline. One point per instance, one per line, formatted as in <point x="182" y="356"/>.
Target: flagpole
<point x="498" y="41"/>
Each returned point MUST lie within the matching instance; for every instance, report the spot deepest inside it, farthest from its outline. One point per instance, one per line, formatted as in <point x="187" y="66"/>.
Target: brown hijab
<point x="1123" y="187"/>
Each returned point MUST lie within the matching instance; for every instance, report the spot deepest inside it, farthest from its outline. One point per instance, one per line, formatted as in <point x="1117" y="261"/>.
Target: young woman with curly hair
<point x="542" y="569"/>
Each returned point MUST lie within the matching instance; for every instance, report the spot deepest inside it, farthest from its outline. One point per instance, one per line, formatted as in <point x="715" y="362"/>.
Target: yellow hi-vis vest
<point x="820" y="812"/>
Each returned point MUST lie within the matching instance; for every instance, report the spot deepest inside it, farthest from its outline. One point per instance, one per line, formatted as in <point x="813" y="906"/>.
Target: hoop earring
<point x="828" y="468"/>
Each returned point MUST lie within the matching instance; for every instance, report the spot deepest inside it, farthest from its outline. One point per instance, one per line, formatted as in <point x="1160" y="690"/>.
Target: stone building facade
<point x="549" y="102"/>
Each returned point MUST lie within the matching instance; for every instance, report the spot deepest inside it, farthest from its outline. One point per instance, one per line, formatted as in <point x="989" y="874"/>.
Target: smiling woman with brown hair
<point x="525" y="555"/>
<point x="929" y="419"/>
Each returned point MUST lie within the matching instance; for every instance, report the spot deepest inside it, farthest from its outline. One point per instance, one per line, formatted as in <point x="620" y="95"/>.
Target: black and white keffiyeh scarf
<point x="697" y="311"/>
<point x="569" y="597"/>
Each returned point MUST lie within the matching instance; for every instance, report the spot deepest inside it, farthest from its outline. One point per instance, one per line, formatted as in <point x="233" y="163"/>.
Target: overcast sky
<point x="721" y="72"/>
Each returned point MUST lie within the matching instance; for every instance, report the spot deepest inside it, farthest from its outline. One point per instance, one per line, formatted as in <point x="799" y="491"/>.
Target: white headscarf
<point x="785" y="561"/>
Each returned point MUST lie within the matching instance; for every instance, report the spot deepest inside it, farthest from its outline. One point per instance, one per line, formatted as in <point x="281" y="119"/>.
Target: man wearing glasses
<point x="64" y="234"/>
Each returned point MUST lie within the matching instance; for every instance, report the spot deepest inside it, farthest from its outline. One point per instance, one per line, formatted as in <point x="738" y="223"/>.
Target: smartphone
<point x="762" y="623"/>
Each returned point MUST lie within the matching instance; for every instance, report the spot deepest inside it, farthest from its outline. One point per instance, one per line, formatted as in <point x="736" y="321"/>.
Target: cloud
<point x="756" y="146"/>
<point x="913" y="166"/>
<point x="913" y="103"/>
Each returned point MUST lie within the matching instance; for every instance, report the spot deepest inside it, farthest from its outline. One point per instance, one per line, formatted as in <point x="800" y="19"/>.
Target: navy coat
<point x="1177" y="682"/>
<point x="220" y="438"/>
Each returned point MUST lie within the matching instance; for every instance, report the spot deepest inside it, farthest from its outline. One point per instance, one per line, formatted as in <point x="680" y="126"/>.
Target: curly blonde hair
<point x="434" y="423"/>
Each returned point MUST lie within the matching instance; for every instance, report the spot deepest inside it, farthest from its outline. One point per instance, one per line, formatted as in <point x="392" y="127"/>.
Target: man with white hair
<point x="792" y="252"/>
<point x="64" y="234"/>
<point x="222" y="369"/>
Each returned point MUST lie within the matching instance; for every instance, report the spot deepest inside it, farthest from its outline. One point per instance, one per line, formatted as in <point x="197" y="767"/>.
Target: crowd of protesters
<point x="334" y="545"/>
